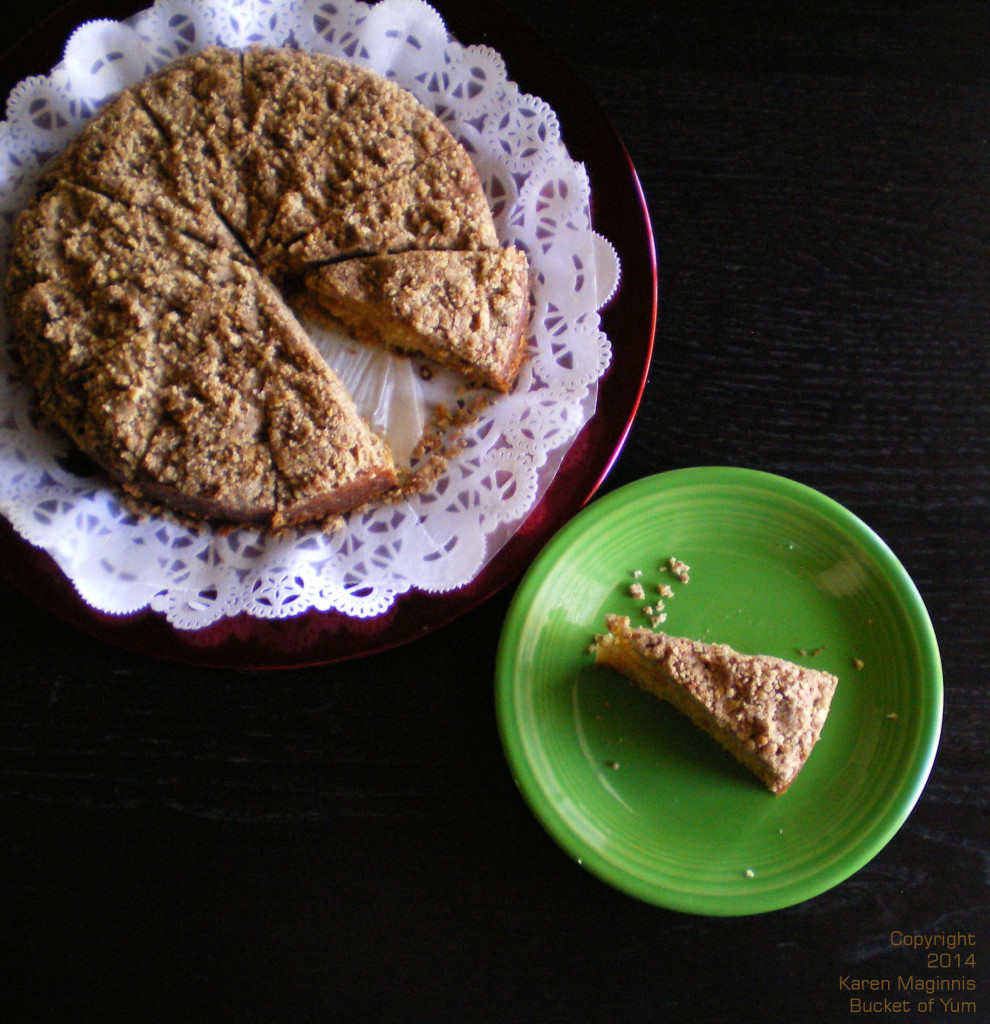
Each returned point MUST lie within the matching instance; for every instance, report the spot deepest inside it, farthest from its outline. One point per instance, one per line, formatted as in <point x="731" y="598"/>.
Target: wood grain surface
<point x="346" y="843"/>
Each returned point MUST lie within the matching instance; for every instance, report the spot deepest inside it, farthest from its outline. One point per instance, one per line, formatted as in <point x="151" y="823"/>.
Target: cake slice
<point x="91" y="310"/>
<point x="323" y="131"/>
<point x="327" y="458"/>
<point x="255" y="426"/>
<point x="466" y="310"/>
<point x="117" y="153"/>
<point x="197" y="103"/>
<point x="334" y="126"/>
<point x="292" y="101"/>
<point x="766" y="711"/>
<point x="123" y="155"/>
<point x="439" y="204"/>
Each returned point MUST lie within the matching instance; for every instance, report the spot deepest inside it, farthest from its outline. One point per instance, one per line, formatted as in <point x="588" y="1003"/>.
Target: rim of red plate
<point x="619" y="213"/>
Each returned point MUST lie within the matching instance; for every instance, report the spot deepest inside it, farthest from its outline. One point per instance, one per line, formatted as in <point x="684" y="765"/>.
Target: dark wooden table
<point x="346" y="843"/>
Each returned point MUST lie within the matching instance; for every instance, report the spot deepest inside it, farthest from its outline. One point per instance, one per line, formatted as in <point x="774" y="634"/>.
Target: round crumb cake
<point x="148" y="280"/>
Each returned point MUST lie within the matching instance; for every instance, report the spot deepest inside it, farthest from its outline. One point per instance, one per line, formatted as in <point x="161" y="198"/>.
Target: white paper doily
<point x="434" y="542"/>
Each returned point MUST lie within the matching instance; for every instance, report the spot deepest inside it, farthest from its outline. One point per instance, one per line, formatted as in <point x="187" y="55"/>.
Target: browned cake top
<point x="198" y="106"/>
<point x="323" y="131"/>
<point x="97" y="286"/>
<point x="772" y="708"/>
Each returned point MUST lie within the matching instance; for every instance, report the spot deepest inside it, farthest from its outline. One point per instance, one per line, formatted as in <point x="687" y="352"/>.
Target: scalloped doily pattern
<point x="436" y="541"/>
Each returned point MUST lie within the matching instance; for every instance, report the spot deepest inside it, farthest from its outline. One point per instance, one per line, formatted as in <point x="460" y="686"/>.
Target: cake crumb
<point x="679" y="569"/>
<point x="637" y="591"/>
<point x="749" y="873"/>
<point x="637" y="573"/>
<point x="857" y="663"/>
<point x="612" y="765"/>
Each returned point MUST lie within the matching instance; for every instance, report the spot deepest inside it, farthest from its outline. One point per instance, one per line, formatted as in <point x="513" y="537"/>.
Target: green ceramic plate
<point x="630" y="788"/>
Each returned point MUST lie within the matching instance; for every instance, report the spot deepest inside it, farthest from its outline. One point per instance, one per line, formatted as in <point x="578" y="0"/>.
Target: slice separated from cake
<point x="466" y="310"/>
<point x="766" y="711"/>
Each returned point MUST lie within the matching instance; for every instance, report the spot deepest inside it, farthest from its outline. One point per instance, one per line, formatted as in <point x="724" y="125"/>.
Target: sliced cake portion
<point x="93" y="292"/>
<point x="467" y="310"/>
<point x="255" y="426"/>
<point x="294" y="100"/>
<point x="118" y="153"/>
<point x="766" y="711"/>
<point x="123" y="154"/>
<point x="178" y="368"/>
<point x="328" y="459"/>
<point x="438" y="205"/>
<point x="208" y="456"/>
<point x="333" y="127"/>
<point x="324" y="132"/>
<point x="198" y="105"/>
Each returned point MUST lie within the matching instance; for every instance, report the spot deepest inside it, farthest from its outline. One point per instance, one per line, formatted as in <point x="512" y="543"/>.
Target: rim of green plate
<point x="556" y="823"/>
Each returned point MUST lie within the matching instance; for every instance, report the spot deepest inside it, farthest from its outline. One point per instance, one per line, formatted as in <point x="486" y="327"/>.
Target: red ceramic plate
<point x="618" y="212"/>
